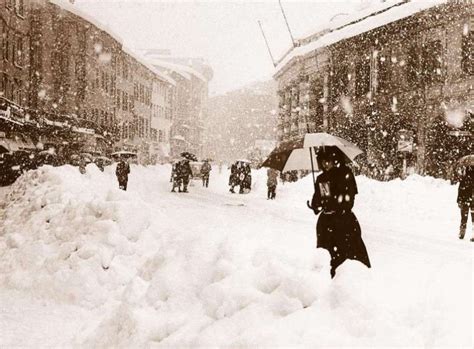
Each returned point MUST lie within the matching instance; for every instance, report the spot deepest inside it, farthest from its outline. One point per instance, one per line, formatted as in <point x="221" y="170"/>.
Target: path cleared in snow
<point x="83" y="263"/>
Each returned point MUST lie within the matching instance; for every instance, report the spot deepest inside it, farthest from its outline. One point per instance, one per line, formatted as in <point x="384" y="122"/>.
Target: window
<point x="118" y="102"/>
<point x="383" y="72"/>
<point x="467" y="58"/>
<point x="20" y="8"/>
<point x="413" y="65"/>
<point x="5" y="45"/>
<point x="3" y="84"/>
<point x="432" y="62"/>
<point x="362" y="78"/>
<point x="97" y="78"/>
<point x="18" y="54"/>
<point x="339" y="81"/>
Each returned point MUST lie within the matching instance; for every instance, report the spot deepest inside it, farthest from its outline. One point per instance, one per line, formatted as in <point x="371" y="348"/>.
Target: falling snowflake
<point x="42" y="94"/>
<point x="455" y="117"/>
<point x="98" y="48"/>
<point x="105" y="57"/>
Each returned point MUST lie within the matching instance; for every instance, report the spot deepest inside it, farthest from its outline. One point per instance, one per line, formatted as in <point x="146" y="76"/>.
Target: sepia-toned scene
<point x="236" y="173"/>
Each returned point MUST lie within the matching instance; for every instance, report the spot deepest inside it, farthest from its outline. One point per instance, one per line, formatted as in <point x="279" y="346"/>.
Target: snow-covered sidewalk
<point x="83" y="263"/>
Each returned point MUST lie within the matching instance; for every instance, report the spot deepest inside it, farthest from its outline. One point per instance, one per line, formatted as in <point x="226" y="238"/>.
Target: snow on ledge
<point x="65" y="5"/>
<point x="399" y="11"/>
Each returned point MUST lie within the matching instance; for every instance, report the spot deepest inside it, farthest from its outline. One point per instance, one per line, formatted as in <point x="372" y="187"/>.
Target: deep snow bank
<point x="213" y="269"/>
<point x="71" y="237"/>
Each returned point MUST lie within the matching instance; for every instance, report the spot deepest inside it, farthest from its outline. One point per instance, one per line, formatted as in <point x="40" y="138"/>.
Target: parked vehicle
<point x="196" y="168"/>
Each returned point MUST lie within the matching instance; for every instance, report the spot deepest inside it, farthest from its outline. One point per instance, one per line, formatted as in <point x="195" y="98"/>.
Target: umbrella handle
<point x="309" y="205"/>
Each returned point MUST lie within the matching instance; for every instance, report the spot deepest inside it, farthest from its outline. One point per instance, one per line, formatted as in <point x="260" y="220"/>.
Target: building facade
<point x="15" y="50"/>
<point x="397" y="82"/>
<point x="192" y="76"/>
<point x="75" y="79"/>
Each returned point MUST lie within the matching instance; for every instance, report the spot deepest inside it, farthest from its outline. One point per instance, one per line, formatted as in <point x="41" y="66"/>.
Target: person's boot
<point x="462" y="232"/>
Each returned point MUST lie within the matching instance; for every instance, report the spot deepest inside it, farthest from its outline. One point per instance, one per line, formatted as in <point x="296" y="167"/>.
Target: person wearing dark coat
<point x="466" y="200"/>
<point x="272" y="182"/>
<point x="337" y="229"/>
<point x="184" y="173"/>
<point x="233" y="178"/>
<point x="175" y="176"/>
<point x="122" y="171"/>
<point x="205" y="172"/>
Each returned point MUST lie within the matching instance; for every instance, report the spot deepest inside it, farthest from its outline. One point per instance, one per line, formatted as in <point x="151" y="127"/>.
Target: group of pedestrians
<point x="241" y="176"/>
<point x="181" y="172"/>
<point x="337" y="228"/>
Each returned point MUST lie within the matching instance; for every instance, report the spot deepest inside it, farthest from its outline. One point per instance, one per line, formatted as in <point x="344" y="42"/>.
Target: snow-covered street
<point x="84" y="263"/>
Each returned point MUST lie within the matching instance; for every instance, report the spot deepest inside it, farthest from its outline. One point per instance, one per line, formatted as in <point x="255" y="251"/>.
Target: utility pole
<point x="287" y="25"/>
<point x="266" y="43"/>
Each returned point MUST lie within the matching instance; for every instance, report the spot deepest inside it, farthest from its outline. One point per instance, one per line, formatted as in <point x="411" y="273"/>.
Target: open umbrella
<point x="322" y="139"/>
<point x="279" y="156"/>
<point x="189" y="156"/>
<point x="467" y="160"/>
<point x="124" y="154"/>
<point x="301" y="154"/>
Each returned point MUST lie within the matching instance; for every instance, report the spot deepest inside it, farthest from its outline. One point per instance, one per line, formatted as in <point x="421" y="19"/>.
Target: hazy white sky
<point x="226" y="33"/>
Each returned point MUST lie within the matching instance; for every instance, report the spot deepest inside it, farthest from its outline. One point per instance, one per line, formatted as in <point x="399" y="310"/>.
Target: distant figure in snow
<point x="205" y="172"/>
<point x="466" y="200"/>
<point x="122" y="171"/>
<point x="272" y="182"/>
<point x="82" y="166"/>
<point x="245" y="178"/>
<point x="337" y="229"/>
<point x="220" y="167"/>
<point x="175" y="179"/>
<point x="184" y="173"/>
<point x="233" y="178"/>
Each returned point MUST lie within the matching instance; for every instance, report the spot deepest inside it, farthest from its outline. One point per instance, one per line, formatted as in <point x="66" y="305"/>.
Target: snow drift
<point x="213" y="269"/>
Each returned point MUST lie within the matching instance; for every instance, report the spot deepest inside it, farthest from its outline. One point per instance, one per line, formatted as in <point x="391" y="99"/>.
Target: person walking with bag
<point x="465" y="200"/>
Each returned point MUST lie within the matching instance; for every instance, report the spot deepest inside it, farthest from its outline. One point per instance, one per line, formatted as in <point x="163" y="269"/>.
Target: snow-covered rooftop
<point x="149" y="66"/>
<point x="65" y="5"/>
<point x="360" y="22"/>
<point x="76" y="11"/>
<point x="181" y="69"/>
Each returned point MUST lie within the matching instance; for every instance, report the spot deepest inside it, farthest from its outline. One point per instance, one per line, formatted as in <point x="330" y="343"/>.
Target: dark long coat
<point x="122" y="171"/>
<point x="338" y="229"/>
<point x="465" y="190"/>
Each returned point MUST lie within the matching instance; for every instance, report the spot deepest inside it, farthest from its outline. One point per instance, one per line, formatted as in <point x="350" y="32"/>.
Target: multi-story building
<point x="161" y="118"/>
<point x="192" y="77"/>
<point x="73" y="76"/>
<point x="14" y="50"/>
<point x="396" y="79"/>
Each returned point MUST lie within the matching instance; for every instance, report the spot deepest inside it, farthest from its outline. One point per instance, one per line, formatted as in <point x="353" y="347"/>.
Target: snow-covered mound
<point x="70" y="237"/>
<point x="209" y="268"/>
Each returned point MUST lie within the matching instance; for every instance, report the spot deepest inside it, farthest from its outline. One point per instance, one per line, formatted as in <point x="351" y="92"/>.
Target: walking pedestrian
<point x="466" y="200"/>
<point x="337" y="228"/>
<point x="205" y="172"/>
<point x="272" y="182"/>
<point x="122" y="171"/>
<point x="233" y="178"/>
<point x="185" y="173"/>
<point x="174" y="179"/>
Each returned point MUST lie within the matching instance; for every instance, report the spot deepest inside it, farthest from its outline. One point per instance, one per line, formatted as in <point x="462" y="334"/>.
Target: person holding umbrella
<point x="337" y="228"/>
<point x="122" y="171"/>
<point x="465" y="197"/>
